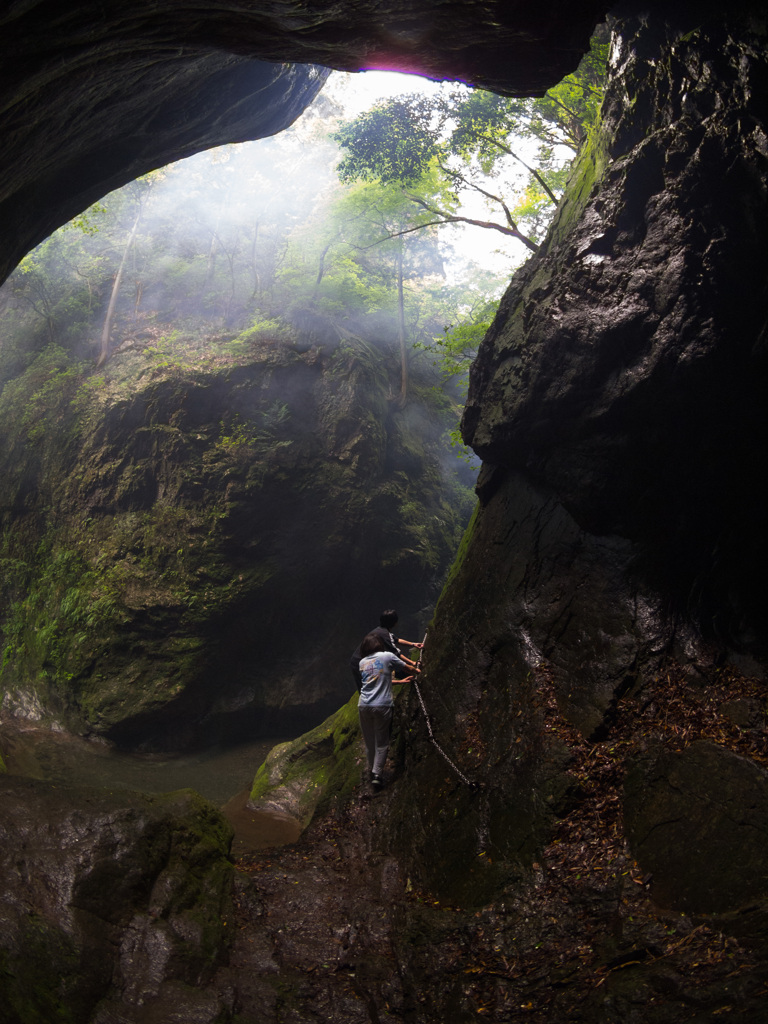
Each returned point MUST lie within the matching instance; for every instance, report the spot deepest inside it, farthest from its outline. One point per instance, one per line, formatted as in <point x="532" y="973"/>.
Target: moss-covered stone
<point x="200" y="511"/>
<point x="313" y="771"/>
<point x="108" y="896"/>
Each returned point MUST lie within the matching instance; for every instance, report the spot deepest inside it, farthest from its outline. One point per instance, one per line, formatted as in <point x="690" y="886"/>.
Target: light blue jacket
<point x="377" y="671"/>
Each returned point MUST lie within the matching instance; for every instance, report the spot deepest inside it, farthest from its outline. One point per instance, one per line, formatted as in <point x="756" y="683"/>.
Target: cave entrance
<point x="243" y="374"/>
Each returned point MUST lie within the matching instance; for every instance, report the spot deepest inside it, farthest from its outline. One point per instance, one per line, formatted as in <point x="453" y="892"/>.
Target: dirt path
<point x="314" y="924"/>
<point x="328" y="930"/>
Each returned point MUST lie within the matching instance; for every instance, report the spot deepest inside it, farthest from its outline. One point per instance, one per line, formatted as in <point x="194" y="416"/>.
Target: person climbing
<point x="375" y="706"/>
<point x="387" y="622"/>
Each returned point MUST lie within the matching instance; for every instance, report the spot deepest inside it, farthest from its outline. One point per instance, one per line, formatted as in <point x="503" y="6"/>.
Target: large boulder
<point x="303" y="776"/>
<point x="114" y="905"/>
<point x="697" y="820"/>
<point x="211" y="526"/>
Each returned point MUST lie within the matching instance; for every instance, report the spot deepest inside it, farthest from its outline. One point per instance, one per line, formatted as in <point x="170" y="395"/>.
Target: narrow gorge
<point x="575" y="826"/>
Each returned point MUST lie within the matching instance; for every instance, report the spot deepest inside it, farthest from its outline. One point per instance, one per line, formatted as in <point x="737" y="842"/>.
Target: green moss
<point x="315" y="770"/>
<point x="198" y="875"/>
<point x="461" y="554"/>
<point x="56" y="605"/>
<point x="588" y="167"/>
<point x="40" y="983"/>
<point x="263" y="329"/>
<point x="34" y="403"/>
<point x="262" y="782"/>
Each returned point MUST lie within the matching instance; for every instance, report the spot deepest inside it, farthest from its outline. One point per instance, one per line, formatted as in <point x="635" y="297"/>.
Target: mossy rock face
<point x="222" y="538"/>
<point x="108" y="896"/>
<point x="312" y="771"/>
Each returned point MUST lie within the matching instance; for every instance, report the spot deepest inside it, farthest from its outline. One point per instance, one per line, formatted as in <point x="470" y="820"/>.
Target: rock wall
<point x="191" y="552"/>
<point x="625" y="374"/>
<point x="114" y="906"/>
<point x="596" y="666"/>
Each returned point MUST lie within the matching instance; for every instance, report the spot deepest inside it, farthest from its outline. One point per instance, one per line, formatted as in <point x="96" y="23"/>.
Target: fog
<point x="201" y="258"/>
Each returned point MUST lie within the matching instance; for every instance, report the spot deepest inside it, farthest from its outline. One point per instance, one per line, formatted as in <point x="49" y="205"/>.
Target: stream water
<point x="222" y="774"/>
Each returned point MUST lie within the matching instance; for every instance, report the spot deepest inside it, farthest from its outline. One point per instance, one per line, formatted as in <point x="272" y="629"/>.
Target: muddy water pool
<point x="223" y="775"/>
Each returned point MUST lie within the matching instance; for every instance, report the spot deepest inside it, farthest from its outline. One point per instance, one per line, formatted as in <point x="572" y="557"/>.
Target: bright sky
<point x="360" y="91"/>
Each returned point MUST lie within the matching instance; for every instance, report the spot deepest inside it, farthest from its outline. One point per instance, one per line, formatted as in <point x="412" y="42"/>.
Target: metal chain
<point x="440" y="750"/>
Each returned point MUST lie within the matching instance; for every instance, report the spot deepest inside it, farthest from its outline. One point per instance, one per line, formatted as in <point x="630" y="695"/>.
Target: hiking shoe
<point x="376" y="781"/>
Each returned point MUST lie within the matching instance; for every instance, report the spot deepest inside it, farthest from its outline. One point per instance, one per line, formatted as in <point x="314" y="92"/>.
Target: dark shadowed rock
<point x="109" y="898"/>
<point x="625" y="373"/>
<point x="618" y="403"/>
<point x="697" y="820"/>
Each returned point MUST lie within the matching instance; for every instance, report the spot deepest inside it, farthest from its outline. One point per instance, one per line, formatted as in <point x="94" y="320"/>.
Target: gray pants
<point x="376" y="726"/>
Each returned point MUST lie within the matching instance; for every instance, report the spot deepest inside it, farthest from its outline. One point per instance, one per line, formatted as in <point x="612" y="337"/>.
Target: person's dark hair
<point x="388" y="619"/>
<point x="371" y="644"/>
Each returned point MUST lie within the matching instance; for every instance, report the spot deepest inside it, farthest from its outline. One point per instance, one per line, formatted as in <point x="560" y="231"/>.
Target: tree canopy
<point x="471" y="142"/>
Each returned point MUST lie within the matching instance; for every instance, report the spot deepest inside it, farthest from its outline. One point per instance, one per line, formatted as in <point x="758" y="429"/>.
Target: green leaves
<point x="460" y="145"/>
<point x="392" y="143"/>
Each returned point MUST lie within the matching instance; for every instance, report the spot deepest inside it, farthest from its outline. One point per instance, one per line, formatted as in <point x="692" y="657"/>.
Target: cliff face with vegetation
<point x="140" y="83"/>
<point x="596" y="664"/>
<point x="182" y="533"/>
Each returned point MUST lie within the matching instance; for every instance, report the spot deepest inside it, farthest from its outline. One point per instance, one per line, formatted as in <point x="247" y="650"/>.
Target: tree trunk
<point x="104" y="348"/>
<point x="254" y="268"/>
<point x="320" y="272"/>
<point x="211" y="264"/>
<point x="401" y="331"/>
<point x="137" y="302"/>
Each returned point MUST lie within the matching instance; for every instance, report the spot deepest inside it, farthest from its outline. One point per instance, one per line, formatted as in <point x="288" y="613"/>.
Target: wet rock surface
<point x="338" y="927"/>
<point x="211" y="523"/>
<point x="303" y="774"/>
<point x="315" y="929"/>
<point x="110" y="898"/>
<point x="142" y="84"/>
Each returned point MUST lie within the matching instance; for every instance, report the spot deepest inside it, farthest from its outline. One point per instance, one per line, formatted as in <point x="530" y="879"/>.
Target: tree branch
<point x="447" y="218"/>
<point x="574" y="117"/>
<point x="531" y="170"/>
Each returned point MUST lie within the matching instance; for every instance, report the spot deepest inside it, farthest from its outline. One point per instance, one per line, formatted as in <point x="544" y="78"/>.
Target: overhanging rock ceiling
<point x="93" y="94"/>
